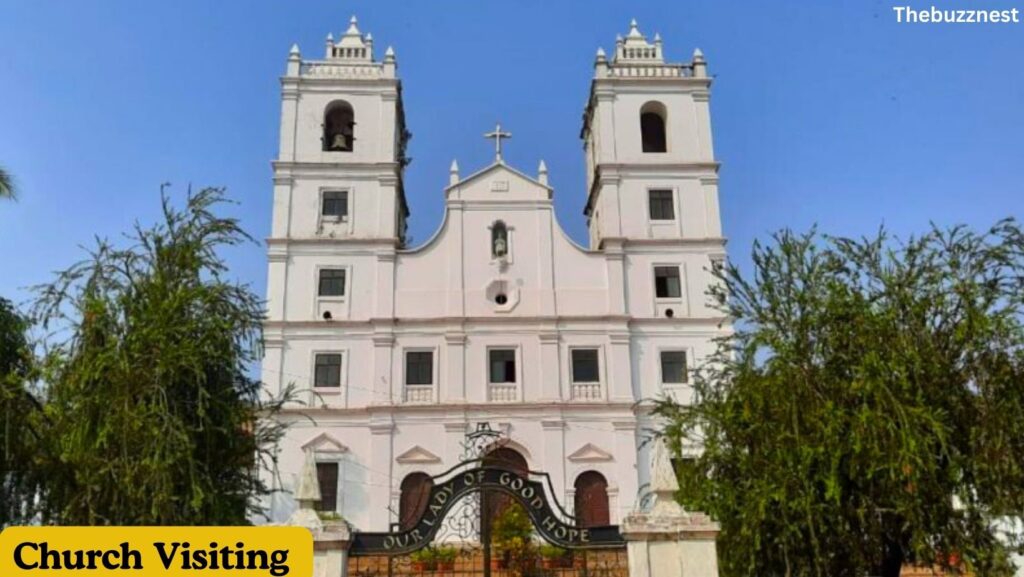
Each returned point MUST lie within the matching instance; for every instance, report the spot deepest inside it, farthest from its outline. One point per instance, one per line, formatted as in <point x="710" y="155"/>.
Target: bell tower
<point x="651" y="169"/>
<point x="343" y="142"/>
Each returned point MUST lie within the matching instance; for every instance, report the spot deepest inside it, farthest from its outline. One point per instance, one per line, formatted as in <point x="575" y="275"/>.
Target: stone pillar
<point x="383" y="343"/>
<point x="666" y="541"/>
<point x="625" y="458"/>
<point x="331" y="537"/>
<point x="452" y="388"/>
<point x="380" y="474"/>
<point x="671" y="546"/>
<point x="548" y="370"/>
<point x="330" y="550"/>
<point x="620" y="373"/>
<point x="615" y="258"/>
<point x="554" y="453"/>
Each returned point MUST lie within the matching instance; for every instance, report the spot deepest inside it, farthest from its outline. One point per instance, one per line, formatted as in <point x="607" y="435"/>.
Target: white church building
<point x="499" y="317"/>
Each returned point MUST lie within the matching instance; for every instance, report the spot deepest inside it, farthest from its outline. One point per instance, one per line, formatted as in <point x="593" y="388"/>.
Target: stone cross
<point x="497" y="135"/>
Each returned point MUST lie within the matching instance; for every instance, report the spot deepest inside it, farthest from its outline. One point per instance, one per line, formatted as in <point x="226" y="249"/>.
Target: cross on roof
<point x="497" y="135"/>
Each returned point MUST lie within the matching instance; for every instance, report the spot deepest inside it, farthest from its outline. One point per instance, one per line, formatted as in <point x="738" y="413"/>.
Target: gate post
<point x="680" y="546"/>
<point x="667" y="541"/>
<point x="330" y="550"/>
<point x="331" y="537"/>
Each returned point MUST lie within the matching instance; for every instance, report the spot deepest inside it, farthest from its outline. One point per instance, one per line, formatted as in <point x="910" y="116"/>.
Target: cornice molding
<point x="442" y="411"/>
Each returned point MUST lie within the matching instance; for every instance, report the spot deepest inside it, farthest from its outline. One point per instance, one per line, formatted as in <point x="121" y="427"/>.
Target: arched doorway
<point x="493" y="504"/>
<point x="591" y="500"/>
<point x="415" y="491"/>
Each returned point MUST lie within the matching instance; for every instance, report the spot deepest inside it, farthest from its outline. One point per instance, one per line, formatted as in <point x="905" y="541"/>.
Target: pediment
<point x="417" y="455"/>
<point x="499" y="181"/>
<point x="590" y="453"/>
<point x="324" y="443"/>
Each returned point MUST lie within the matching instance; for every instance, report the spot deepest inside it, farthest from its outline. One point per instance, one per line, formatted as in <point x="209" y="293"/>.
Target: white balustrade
<point x="503" y="393"/>
<point x="586" y="391"/>
<point x="419" y="394"/>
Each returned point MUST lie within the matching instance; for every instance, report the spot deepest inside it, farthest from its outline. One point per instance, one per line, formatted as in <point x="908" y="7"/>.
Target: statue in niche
<point x="499" y="240"/>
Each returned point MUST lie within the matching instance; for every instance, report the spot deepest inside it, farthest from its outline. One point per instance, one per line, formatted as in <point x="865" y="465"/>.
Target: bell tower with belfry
<point x="651" y="169"/>
<point x="340" y="210"/>
<point x="343" y="140"/>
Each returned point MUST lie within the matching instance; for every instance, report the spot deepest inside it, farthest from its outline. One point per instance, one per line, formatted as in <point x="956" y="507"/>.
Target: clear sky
<point x="823" y="112"/>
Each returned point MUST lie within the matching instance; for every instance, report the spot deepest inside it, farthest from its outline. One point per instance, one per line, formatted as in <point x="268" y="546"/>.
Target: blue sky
<point x="823" y="112"/>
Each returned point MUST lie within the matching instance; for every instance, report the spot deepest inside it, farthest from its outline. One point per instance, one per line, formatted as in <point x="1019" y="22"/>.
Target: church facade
<point x="499" y="319"/>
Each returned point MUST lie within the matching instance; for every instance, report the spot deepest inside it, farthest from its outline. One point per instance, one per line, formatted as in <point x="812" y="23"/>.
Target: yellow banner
<point x="156" y="551"/>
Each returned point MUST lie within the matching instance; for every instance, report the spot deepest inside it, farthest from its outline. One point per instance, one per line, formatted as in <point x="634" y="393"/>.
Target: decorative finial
<point x="353" y="20"/>
<point x="664" y="483"/>
<point x="390" y="52"/>
<point x="497" y="135"/>
<point x="634" y="30"/>
<point x="600" y="53"/>
<point x="308" y="490"/>
<point x="700" y="67"/>
<point x="453" y="173"/>
<point x="542" y="173"/>
<point x="307" y="493"/>
<point x="330" y="37"/>
<point x="353" y="30"/>
<point x="657" y="37"/>
<point x="294" y="66"/>
<point x="369" y="37"/>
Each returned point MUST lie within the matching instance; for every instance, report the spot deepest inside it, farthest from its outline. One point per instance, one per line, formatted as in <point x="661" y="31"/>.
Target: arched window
<point x="339" y="127"/>
<point x="499" y="240"/>
<point x="415" y="493"/>
<point x="591" y="503"/>
<point x="653" y="117"/>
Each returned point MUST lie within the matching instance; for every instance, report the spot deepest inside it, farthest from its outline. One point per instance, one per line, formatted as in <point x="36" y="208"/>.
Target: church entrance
<point x="489" y="516"/>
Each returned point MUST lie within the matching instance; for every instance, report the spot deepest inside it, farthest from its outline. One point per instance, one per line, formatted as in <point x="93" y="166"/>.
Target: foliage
<point x="152" y="417"/>
<point x="512" y="528"/>
<point x="431" y="556"/>
<point x="329" y="516"/>
<point x="549" y="551"/>
<point x="512" y="538"/>
<point x="445" y="554"/>
<point x="869" y="408"/>
<point x="426" y="554"/>
<point x="18" y="429"/>
<point x="7" y="188"/>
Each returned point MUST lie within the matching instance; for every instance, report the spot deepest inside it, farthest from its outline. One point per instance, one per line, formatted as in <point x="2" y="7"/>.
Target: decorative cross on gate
<point x="497" y="135"/>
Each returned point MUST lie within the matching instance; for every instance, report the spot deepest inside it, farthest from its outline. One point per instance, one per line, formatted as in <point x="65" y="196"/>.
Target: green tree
<point x="153" y="419"/>
<point x="7" y="188"/>
<point x="18" y="408"/>
<point x="868" y="409"/>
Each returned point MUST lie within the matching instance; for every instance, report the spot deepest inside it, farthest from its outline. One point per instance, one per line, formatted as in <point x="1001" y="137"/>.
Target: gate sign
<point x="529" y="493"/>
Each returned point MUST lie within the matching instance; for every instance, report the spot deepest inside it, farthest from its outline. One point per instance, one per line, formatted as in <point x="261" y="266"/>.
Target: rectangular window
<point x="419" y="368"/>
<point x="673" y="367"/>
<point x="661" y="206"/>
<point x="335" y="204"/>
<point x="584" y="366"/>
<point x="327" y="372"/>
<point x="327" y="477"/>
<point x="503" y="365"/>
<point x="332" y="282"/>
<point x="666" y="282"/>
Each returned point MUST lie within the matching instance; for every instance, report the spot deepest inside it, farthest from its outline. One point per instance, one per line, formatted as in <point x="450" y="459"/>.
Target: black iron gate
<point x="462" y="533"/>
